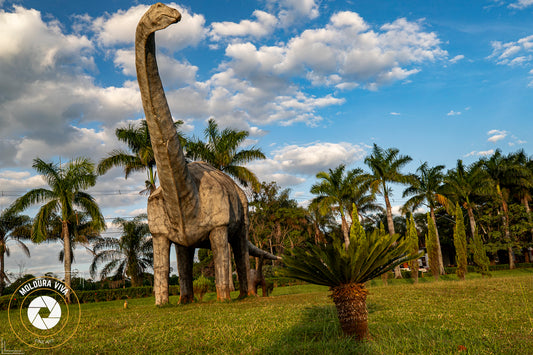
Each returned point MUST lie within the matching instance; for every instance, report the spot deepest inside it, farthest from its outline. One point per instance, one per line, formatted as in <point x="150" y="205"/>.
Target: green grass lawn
<point x="477" y="316"/>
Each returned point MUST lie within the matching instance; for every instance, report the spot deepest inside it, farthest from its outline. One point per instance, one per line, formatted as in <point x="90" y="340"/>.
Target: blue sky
<point x="315" y="82"/>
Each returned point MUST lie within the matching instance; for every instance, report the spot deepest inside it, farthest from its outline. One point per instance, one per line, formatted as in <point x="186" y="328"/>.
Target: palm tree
<point x="141" y="158"/>
<point x="334" y="190"/>
<point x="222" y="151"/>
<point x="385" y="166"/>
<point x="84" y="232"/>
<point x="465" y="185"/>
<point x="130" y="255"/>
<point x="426" y="190"/>
<point x="345" y="270"/>
<point x="505" y="173"/>
<point x="13" y="228"/>
<point x="63" y="198"/>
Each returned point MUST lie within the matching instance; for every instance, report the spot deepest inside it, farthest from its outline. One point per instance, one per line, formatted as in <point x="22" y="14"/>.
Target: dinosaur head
<point x="158" y="17"/>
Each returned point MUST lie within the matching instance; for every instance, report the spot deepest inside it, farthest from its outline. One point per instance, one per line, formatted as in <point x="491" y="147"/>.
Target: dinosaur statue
<point x="196" y="205"/>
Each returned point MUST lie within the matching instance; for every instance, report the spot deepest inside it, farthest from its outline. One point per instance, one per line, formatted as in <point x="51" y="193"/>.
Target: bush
<point x="201" y="286"/>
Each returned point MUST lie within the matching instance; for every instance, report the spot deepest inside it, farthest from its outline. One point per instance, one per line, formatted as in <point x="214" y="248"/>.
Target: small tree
<point x="480" y="256"/>
<point x="346" y="270"/>
<point x="412" y="239"/>
<point x="459" y="241"/>
<point x="432" y="248"/>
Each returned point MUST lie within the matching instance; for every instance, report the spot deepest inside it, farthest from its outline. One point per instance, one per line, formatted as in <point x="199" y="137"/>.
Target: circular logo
<point x="44" y="302"/>
<point x="44" y="313"/>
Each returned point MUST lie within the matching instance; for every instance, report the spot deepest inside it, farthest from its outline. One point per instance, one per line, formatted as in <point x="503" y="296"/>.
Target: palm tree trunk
<point x="67" y="257"/>
<point x="528" y="211"/>
<point x="2" y="270"/>
<point x="441" y="263"/>
<point x="472" y="220"/>
<point x="390" y="224"/>
<point x="350" y="301"/>
<point x="345" y="230"/>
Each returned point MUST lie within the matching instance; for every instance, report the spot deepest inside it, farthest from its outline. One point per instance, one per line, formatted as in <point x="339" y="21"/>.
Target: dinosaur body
<point x="196" y="205"/>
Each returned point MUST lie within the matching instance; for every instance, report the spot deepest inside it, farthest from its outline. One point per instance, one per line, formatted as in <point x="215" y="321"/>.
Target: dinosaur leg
<point x="242" y="262"/>
<point x="161" y="268"/>
<point x="185" y="262"/>
<point x="219" y="246"/>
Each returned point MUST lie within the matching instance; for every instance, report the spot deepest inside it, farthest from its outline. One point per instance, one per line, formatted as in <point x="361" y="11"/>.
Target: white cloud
<point x="514" y="53"/>
<point x="344" y="51"/>
<point x="293" y="164"/>
<point x="453" y="113"/>
<point x="496" y="135"/>
<point x="395" y="113"/>
<point x="521" y="4"/>
<point x="457" y="58"/>
<point x="264" y="26"/>
<point x="119" y="28"/>
<point x="483" y="153"/>
<point x="294" y="11"/>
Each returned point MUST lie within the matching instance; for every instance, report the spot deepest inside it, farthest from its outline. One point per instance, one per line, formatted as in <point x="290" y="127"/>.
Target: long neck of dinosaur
<point x="179" y="190"/>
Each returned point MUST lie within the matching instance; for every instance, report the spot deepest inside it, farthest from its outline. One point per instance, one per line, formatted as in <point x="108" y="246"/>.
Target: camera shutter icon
<point x="44" y="302"/>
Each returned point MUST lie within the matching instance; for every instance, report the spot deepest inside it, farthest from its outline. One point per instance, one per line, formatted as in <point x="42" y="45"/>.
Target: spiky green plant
<point x="459" y="241"/>
<point x="345" y="271"/>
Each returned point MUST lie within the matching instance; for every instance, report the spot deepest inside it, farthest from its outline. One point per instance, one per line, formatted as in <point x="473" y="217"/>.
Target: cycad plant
<point x="345" y="270"/>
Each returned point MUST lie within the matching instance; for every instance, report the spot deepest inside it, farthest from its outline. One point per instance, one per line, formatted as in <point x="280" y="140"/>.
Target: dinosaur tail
<point x="255" y="251"/>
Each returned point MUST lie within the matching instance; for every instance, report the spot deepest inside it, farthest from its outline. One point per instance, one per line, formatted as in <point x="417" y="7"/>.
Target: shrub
<point x="201" y="286"/>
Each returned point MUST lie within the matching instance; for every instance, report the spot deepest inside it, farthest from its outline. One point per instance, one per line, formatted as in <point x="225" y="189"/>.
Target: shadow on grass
<point x="318" y="332"/>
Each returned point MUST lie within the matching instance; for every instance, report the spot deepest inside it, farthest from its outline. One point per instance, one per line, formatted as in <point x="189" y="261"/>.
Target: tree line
<point x="494" y="193"/>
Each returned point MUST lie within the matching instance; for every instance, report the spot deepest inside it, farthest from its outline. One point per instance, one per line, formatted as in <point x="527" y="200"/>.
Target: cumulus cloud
<point x="264" y="26"/>
<point x="496" y="135"/>
<point x="119" y="28"/>
<point x="291" y="12"/>
<point x="345" y="50"/>
<point x="453" y="113"/>
<point x="293" y="164"/>
<point x="46" y="90"/>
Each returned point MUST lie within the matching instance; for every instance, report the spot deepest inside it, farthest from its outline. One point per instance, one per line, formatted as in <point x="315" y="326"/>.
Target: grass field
<point x="477" y="316"/>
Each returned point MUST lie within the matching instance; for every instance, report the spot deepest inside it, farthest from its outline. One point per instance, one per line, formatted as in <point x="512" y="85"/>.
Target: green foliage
<point x="201" y="286"/>
<point x="357" y="232"/>
<point x="222" y="151"/>
<point x="412" y="240"/>
<point x="334" y="265"/>
<point x="130" y="255"/>
<point x="459" y="241"/>
<point x="141" y="158"/>
<point x="480" y="256"/>
<point x="432" y="247"/>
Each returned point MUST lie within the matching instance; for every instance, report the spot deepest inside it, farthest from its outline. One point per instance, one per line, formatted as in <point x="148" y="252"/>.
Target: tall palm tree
<point x="426" y="189"/>
<point x="221" y="150"/>
<point x="505" y="173"/>
<point x="130" y="255"/>
<point x="522" y="187"/>
<point x="13" y="228"/>
<point x="335" y="189"/>
<point x="64" y="197"/>
<point x="345" y="271"/>
<point x="385" y="167"/>
<point x="141" y="157"/>
<point x="465" y="185"/>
